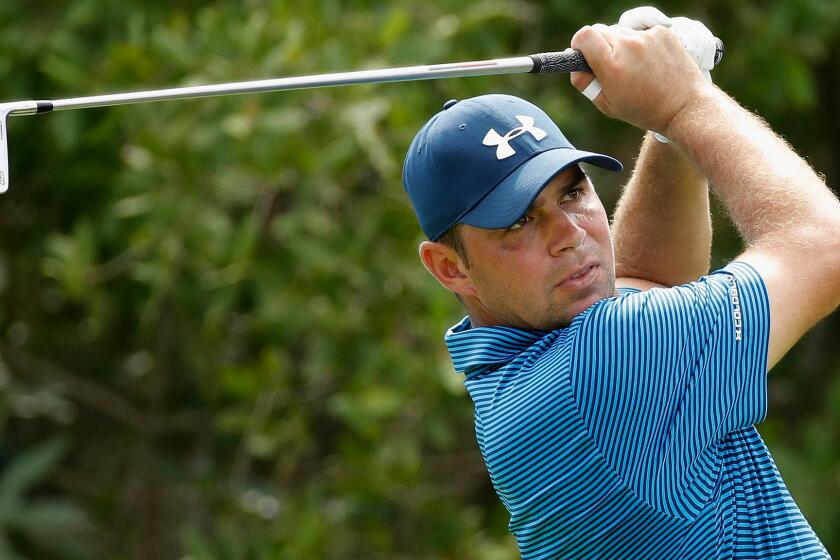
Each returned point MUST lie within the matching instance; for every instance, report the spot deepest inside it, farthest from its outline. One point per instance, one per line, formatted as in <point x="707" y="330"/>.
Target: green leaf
<point x="6" y="550"/>
<point x="53" y="518"/>
<point x="30" y="468"/>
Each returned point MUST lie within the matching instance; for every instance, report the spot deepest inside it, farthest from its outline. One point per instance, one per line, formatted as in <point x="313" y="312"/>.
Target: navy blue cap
<point x="482" y="162"/>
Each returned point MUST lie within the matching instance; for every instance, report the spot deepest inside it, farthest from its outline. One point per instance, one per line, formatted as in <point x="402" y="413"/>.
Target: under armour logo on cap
<point x="502" y="143"/>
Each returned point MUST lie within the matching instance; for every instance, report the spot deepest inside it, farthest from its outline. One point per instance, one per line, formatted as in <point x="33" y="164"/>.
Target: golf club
<point x="564" y="61"/>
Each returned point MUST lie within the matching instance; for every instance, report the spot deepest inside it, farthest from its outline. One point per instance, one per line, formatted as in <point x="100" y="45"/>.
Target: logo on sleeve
<point x="502" y="143"/>
<point x="735" y="300"/>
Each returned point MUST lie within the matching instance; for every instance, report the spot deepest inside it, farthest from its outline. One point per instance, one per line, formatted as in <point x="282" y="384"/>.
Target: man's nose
<point x="563" y="231"/>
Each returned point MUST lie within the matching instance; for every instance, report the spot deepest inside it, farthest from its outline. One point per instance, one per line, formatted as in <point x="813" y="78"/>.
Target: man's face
<point x="548" y="267"/>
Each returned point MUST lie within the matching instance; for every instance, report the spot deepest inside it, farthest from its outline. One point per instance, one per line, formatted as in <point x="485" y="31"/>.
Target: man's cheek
<point x="599" y="216"/>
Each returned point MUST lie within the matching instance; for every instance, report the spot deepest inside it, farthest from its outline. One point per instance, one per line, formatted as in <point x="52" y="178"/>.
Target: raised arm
<point x="789" y="219"/>
<point x="661" y="231"/>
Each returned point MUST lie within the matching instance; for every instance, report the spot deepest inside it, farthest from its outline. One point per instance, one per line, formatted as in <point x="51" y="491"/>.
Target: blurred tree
<point x="217" y="303"/>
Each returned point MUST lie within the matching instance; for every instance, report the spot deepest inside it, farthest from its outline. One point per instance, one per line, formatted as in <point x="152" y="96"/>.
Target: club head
<point x="4" y="147"/>
<point x="7" y="109"/>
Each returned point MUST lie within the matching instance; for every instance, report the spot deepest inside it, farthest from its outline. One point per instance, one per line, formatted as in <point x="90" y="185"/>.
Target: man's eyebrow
<point x="579" y="176"/>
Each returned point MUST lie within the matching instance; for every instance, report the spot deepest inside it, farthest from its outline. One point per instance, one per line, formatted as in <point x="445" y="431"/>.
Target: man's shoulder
<point x="525" y="374"/>
<point x="712" y="293"/>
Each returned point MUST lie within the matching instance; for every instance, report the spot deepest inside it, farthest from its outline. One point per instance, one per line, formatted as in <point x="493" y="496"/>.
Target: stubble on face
<point x="544" y="273"/>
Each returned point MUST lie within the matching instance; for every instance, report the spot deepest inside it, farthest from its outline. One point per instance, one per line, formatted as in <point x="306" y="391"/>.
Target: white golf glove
<point x="699" y="42"/>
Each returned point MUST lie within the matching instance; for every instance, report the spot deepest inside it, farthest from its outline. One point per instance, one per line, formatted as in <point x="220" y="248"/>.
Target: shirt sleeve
<point x="661" y="376"/>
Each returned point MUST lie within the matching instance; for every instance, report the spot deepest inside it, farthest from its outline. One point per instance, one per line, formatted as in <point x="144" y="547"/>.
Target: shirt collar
<point x="476" y="347"/>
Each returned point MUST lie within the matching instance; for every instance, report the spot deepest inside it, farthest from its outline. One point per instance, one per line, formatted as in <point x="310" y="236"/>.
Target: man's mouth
<point x="582" y="278"/>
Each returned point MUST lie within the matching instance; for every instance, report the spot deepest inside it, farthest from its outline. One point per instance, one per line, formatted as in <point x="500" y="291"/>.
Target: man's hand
<point x="646" y="76"/>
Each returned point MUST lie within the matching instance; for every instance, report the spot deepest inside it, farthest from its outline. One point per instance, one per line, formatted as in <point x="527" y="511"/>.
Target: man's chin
<point x="567" y="313"/>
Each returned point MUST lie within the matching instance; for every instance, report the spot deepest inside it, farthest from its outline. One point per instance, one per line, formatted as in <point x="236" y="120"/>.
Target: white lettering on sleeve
<point x="735" y="300"/>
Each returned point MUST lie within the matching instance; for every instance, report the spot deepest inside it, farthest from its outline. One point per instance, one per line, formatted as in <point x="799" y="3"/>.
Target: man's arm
<point x="661" y="231"/>
<point x="789" y="219"/>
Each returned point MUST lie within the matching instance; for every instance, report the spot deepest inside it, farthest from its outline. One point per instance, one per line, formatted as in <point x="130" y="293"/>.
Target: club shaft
<point x="566" y="61"/>
<point x="460" y="69"/>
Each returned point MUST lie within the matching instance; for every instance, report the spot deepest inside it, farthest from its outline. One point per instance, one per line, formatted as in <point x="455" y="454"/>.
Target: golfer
<point x="615" y="381"/>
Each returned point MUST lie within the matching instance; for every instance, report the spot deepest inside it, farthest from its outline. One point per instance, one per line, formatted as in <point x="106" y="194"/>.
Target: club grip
<point x="564" y="61"/>
<point x="573" y="61"/>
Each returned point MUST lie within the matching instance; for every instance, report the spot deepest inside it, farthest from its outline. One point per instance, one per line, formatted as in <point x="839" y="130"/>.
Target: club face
<point x="4" y="149"/>
<point x="7" y="109"/>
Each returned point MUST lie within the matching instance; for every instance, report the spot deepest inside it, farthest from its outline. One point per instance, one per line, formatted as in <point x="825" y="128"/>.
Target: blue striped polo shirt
<point x="629" y="433"/>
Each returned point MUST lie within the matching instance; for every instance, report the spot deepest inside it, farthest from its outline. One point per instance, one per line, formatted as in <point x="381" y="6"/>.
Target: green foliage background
<point x="217" y="340"/>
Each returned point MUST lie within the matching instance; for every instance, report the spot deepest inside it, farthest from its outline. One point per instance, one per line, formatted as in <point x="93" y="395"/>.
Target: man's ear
<point x="445" y="265"/>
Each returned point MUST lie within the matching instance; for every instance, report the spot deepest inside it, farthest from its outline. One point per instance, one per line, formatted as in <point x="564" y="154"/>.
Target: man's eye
<point x="574" y="194"/>
<point x="520" y="223"/>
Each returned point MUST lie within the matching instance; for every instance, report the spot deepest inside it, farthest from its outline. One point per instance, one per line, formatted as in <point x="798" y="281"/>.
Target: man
<point x="615" y="399"/>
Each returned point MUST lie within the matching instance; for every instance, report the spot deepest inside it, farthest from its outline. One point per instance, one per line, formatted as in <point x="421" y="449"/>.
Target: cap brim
<point x="511" y="198"/>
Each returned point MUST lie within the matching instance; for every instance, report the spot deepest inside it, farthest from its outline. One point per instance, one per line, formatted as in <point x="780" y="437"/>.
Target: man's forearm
<point x="789" y="219"/>
<point x="661" y="230"/>
<point x="769" y="190"/>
